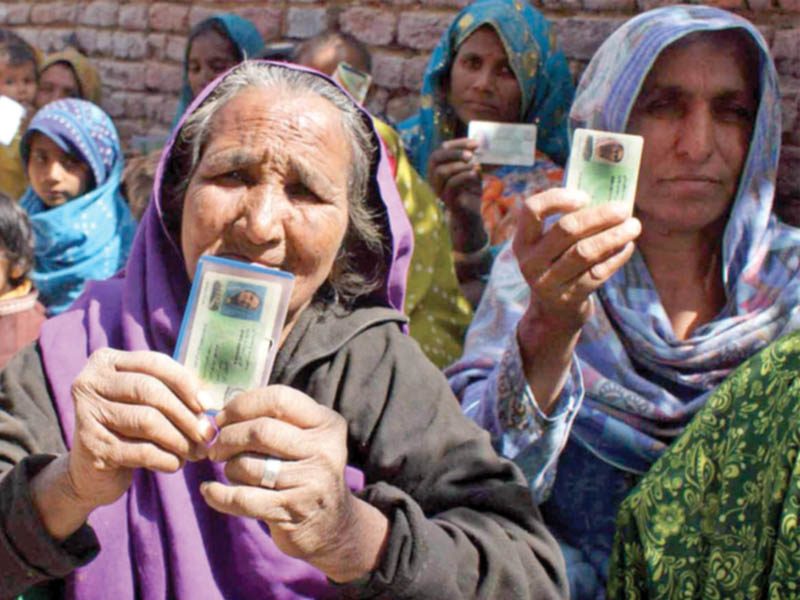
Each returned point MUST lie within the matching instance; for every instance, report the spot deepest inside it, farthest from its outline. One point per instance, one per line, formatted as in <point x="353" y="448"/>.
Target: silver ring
<point x="272" y="468"/>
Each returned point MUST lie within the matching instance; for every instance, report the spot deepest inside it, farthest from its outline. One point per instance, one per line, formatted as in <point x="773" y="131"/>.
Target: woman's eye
<point x="300" y="191"/>
<point x="735" y="112"/>
<point x="235" y="177"/>
<point x="471" y="62"/>
<point x="505" y="71"/>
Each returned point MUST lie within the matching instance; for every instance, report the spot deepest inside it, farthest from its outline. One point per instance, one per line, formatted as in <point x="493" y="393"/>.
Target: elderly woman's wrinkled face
<point x="271" y="188"/>
<point x="210" y="55"/>
<point x="482" y="84"/>
<point x="696" y="113"/>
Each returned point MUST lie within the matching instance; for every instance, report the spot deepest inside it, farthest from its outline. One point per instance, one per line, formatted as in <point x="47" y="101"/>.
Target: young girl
<point x="82" y="224"/>
<point x="20" y="313"/>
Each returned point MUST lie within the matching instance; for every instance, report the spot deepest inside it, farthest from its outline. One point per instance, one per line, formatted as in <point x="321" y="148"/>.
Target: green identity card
<point x="232" y="324"/>
<point x="354" y="81"/>
<point x="605" y="165"/>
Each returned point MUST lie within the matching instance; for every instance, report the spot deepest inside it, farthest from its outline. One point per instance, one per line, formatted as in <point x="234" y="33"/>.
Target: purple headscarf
<point x="160" y="539"/>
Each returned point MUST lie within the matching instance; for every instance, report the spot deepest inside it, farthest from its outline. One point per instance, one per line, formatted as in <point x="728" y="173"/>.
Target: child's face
<point x="18" y="82"/>
<point x="56" y="177"/>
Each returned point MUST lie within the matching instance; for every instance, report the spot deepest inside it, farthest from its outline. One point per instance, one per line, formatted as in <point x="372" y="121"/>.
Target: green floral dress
<point x="717" y="515"/>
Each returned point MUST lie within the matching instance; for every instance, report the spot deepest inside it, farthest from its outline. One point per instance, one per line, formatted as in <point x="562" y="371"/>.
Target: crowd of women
<point x="616" y="419"/>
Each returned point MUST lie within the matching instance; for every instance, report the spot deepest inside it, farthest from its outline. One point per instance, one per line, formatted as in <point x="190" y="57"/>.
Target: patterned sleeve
<point x="490" y="382"/>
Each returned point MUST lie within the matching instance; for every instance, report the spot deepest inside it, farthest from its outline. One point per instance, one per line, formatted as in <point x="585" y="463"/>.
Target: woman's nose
<point x="483" y="80"/>
<point x="263" y="219"/>
<point x="696" y="136"/>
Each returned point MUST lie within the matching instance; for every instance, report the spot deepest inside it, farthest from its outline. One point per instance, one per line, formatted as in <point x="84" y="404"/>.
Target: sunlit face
<point x="271" y="188"/>
<point x="56" y="176"/>
<point x="18" y="82"/>
<point x="482" y="84"/>
<point x="696" y="113"/>
<point x="210" y="55"/>
<point x="56" y="82"/>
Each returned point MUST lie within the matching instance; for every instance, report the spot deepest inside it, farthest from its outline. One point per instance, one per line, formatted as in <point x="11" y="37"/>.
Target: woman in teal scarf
<point x="498" y="61"/>
<point x="82" y="225"/>
<point x="215" y="45"/>
<point x="539" y="67"/>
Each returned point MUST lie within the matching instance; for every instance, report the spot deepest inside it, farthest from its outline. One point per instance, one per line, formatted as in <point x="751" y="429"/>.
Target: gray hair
<point x="346" y="281"/>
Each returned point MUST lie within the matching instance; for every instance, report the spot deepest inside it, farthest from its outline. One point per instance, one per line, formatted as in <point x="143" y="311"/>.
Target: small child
<point x="20" y="313"/>
<point x="18" y="62"/>
<point x="82" y="224"/>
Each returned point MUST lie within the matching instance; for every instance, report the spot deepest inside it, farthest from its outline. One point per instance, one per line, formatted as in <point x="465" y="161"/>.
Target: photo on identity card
<point x="504" y="143"/>
<point x="232" y="324"/>
<point x="605" y="165"/>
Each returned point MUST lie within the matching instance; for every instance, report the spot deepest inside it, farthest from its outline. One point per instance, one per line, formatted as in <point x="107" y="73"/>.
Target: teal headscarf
<point x="88" y="237"/>
<point x="539" y="66"/>
<point x="241" y="32"/>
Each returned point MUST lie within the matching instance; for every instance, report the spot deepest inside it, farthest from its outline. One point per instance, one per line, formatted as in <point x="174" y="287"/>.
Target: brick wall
<point x="138" y="46"/>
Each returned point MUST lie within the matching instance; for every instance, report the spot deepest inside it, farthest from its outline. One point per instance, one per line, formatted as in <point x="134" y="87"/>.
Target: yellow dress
<point x="13" y="179"/>
<point x="438" y="312"/>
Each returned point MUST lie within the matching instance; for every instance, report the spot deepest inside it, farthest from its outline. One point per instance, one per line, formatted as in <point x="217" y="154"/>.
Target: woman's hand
<point x="563" y="266"/>
<point x="132" y="410"/>
<point x="310" y="511"/>
<point x="456" y="179"/>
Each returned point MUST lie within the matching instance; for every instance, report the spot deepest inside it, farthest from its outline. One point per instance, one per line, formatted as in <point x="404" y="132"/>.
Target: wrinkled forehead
<point x="264" y="112"/>
<point x="699" y="45"/>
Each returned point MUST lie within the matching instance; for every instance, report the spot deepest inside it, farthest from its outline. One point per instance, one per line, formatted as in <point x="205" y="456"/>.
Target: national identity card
<point x="605" y="165"/>
<point x="504" y="143"/>
<point x="232" y="325"/>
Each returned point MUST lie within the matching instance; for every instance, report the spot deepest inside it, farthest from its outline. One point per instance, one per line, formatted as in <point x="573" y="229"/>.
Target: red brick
<point x="200" y="13"/>
<point x="100" y="14"/>
<point x="15" y="14"/>
<point x="160" y="109"/>
<point x="163" y="77"/>
<point x="568" y="5"/>
<point x="370" y="25"/>
<point x="610" y="5"/>
<point x="104" y="42"/>
<point x="122" y="75"/>
<point x="387" y="69"/>
<point x="129" y="45"/>
<point x="414" y="71"/>
<point x="133" y="16"/>
<point x="760" y="5"/>
<point x="422" y="30"/>
<point x="168" y="17"/>
<point x="175" y="49"/>
<point x="790" y="5"/>
<point x="51" y="40"/>
<point x="306" y="22"/>
<point x="49" y="13"/>
<point x="786" y="51"/>
<point x="579" y="37"/>
<point x="156" y="45"/>
<point x="454" y="3"/>
<point x="267" y="19"/>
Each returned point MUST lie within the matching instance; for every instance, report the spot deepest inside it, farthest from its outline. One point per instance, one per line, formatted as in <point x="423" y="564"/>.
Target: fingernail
<point x="207" y="428"/>
<point x="207" y="401"/>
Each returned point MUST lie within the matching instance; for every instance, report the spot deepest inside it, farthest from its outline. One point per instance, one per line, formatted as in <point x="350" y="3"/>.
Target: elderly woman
<point x="497" y="62"/>
<point x="591" y="352"/>
<point x="276" y="166"/>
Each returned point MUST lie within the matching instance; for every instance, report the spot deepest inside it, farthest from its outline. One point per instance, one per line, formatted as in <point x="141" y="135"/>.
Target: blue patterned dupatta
<point x="89" y="236"/>
<point x="540" y="68"/>
<point x="642" y="384"/>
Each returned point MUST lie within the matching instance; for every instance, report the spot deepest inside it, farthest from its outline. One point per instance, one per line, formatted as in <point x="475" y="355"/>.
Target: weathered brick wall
<point x="138" y="45"/>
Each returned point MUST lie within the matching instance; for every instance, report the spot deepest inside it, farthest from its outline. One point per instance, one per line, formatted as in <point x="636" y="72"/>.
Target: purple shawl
<point x="160" y="539"/>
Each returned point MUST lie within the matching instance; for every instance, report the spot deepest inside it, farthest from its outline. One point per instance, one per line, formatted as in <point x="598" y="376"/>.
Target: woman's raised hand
<point x="456" y="179"/>
<point x="132" y="410"/>
<point x="302" y="495"/>
<point x="563" y="265"/>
